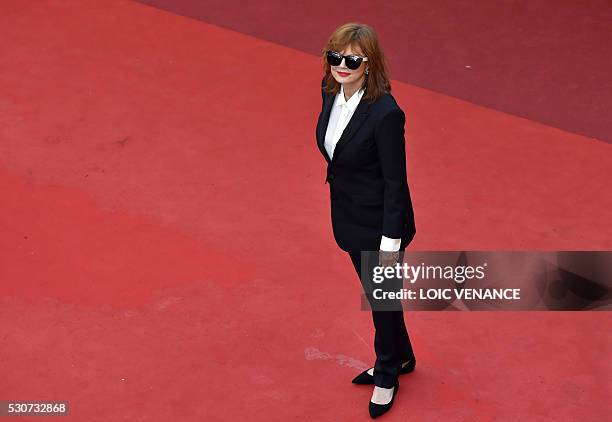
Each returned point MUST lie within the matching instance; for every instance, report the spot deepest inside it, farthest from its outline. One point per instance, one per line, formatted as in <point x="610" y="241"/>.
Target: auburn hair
<point x="360" y="35"/>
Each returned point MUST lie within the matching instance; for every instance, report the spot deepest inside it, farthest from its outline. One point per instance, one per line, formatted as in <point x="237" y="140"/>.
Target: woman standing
<point x="360" y="132"/>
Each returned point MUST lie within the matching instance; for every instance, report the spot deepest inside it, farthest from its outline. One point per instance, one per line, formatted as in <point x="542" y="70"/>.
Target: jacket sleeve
<point x="391" y="146"/>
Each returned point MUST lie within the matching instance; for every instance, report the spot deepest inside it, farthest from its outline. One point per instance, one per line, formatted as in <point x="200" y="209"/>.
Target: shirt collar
<point x="352" y="102"/>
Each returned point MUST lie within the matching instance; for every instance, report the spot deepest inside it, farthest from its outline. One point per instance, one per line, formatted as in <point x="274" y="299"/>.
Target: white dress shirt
<point x="341" y="113"/>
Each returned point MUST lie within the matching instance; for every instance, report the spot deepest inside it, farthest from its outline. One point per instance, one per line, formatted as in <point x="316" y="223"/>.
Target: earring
<point x="367" y="71"/>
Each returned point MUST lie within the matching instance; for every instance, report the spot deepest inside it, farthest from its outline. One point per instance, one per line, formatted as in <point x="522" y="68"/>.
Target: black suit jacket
<point x="367" y="176"/>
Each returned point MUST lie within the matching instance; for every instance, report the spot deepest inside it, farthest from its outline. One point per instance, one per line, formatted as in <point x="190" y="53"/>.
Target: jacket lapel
<point x="325" y="113"/>
<point x="355" y="122"/>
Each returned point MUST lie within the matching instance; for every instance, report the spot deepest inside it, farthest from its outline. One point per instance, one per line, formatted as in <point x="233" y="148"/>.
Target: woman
<point x="360" y="132"/>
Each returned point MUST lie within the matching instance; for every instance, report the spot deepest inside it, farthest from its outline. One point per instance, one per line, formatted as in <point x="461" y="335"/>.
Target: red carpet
<point x="166" y="249"/>
<point x="545" y="60"/>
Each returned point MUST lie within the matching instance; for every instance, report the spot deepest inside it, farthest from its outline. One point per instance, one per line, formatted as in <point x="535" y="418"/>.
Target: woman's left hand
<point x="388" y="258"/>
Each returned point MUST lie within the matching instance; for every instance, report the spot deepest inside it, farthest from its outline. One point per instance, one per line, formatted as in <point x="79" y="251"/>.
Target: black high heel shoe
<point x="366" y="379"/>
<point x="378" y="409"/>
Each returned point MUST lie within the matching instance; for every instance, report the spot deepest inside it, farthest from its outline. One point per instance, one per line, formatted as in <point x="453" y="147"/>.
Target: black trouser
<point x="391" y="341"/>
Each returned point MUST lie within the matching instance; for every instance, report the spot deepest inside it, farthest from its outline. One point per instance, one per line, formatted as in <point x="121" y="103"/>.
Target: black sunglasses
<point x="352" y="61"/>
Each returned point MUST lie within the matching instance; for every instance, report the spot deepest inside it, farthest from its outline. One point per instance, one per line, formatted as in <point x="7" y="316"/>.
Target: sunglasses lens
<point x="353" y="62"/>
<point x="333" y="58"/>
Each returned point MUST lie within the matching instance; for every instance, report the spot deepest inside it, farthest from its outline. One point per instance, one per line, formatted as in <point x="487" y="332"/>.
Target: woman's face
<point x="343" y="74"/>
